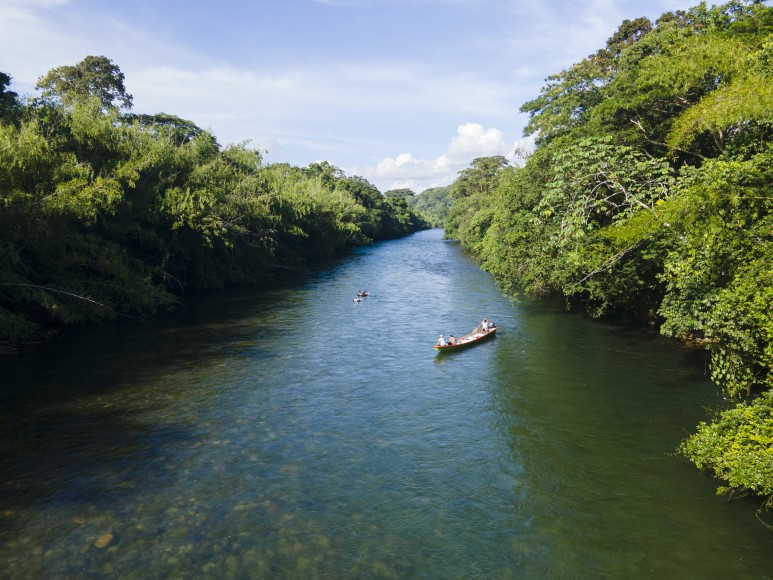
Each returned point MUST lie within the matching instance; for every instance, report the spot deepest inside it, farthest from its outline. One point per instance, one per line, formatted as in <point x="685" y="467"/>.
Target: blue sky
<point x="404" y="93"/>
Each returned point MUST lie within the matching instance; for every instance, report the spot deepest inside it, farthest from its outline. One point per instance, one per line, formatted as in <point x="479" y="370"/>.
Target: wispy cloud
<point x="354" y="97"/>
<point x="308" y="86"/>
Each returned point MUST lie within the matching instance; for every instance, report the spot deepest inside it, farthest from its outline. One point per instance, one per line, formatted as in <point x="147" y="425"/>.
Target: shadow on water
<point x="207" y="327"/>
<point x="106" y="446"/>
<point x="62" y="438"/>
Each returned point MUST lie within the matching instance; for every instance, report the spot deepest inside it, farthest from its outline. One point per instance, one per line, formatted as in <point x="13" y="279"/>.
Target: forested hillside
<point x="433" y="203"/>
<point x="649" y="192"/>
<point x="105" y="214"/>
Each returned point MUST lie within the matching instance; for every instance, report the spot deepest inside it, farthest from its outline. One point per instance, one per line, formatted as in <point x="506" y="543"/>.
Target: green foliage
<point x="598" y="183"/>
<point x="479" y="178"/>
<point x="737" y="446"/>
<point x="714" y="275"/>
<point x="472" y="192"/>
<point x="513" y="248"/>
<point x="9" y="103"/>
<point x="738" y="107"/>
<point x="434" y="204"/>
<point x="565" y="101"/>
<point x="371" y="223"/>
<point x="402" y="220"/>
<point x="180" y="130"/>
<point x="403" y="193"/>
<point x="93" y="77"/>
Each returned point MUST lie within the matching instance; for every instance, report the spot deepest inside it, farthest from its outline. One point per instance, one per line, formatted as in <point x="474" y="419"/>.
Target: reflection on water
<point x="296" y="433"/>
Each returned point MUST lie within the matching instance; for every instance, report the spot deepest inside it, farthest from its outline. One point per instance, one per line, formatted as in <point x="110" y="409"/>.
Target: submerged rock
<point x="104" y="540"/>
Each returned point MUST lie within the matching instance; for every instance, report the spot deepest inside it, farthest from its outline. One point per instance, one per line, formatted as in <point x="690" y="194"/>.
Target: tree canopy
<point x="106" y="215"/>
<point x="433" y="203"/>
<point x="8" y="98"/>
<point x="95" y="77"/>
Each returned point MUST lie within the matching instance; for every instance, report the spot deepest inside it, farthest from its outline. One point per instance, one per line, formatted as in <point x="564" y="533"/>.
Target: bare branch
<point x="59" y="291"/>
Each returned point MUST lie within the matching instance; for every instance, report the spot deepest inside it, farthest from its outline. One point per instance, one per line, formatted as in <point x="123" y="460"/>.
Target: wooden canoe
<point x="466" y="340"/>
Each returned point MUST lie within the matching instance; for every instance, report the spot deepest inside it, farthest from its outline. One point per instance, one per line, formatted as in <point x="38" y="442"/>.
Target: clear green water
<point x="297" y="434"/>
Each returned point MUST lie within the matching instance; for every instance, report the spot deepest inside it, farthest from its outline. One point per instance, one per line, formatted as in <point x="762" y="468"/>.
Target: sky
<point x="404" y="93"/>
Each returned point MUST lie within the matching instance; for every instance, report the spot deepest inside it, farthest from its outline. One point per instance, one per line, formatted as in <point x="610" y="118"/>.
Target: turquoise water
<point x="297" y="434"/>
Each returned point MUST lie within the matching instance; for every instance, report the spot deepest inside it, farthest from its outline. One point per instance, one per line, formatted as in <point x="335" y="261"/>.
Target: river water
<point x="298" y="434"/>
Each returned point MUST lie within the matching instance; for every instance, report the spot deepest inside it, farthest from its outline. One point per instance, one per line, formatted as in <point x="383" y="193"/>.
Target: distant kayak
<point x="466" y="340"/>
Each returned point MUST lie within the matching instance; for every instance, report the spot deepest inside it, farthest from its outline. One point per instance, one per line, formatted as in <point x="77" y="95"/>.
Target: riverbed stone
<point x="104" y="540"/>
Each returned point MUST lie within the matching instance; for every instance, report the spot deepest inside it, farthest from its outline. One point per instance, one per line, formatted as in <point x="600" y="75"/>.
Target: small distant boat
<point x="468" y="339"/>
<point x="361" y="293"/>
<point x="356" y="299"/>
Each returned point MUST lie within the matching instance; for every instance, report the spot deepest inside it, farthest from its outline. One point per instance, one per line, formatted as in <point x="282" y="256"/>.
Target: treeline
<point x="649" y="192"/>
<point x="433" y="203"/>
<point x="104" y="213"/>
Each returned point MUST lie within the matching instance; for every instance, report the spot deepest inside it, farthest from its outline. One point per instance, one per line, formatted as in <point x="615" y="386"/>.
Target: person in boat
<point x="452" y="340"/>
<point x="441" y="341"/>
<point x="483" y="326"/>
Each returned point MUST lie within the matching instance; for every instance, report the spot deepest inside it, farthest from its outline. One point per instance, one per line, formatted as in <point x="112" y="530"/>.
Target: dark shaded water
<point x="299" y="434"/>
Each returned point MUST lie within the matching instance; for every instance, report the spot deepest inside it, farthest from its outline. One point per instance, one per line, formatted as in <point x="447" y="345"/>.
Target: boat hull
<point x="467" y="341"/>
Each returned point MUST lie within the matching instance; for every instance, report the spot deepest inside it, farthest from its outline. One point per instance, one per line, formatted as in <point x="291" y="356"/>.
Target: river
<point x="298" y="434"/>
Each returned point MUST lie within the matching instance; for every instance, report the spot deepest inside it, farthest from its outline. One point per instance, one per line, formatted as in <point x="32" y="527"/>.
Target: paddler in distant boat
<point x="452" y="340"/>
<point x="483" y="326"/>
<point x="441" y="341"/>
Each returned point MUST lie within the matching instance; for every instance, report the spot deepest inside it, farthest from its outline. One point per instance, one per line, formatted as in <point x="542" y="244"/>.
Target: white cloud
<point x="341" y="109"/>
<point x="471" y="141"/>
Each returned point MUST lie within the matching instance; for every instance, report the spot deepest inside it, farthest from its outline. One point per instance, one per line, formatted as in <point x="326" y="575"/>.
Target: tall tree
<point x="472" y="192"/>
<point x="8" y="99"/>
<point x="569" y="97"/>
<point x="93" y="77"/>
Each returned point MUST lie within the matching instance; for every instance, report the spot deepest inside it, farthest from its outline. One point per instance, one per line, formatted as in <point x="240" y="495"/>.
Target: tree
<point x="181" y="130"/>
<point x="8" y="99"/>
<point x="736" y="446"/>
<point x="433" y="203"/>
<point x="480" y="177"/>
<point x="567" y="100"/>
<point x="472" y="193"/>
<point x="93" y="77"/>
<point x="404" y="193"/>
<point x="741" y="106"/>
